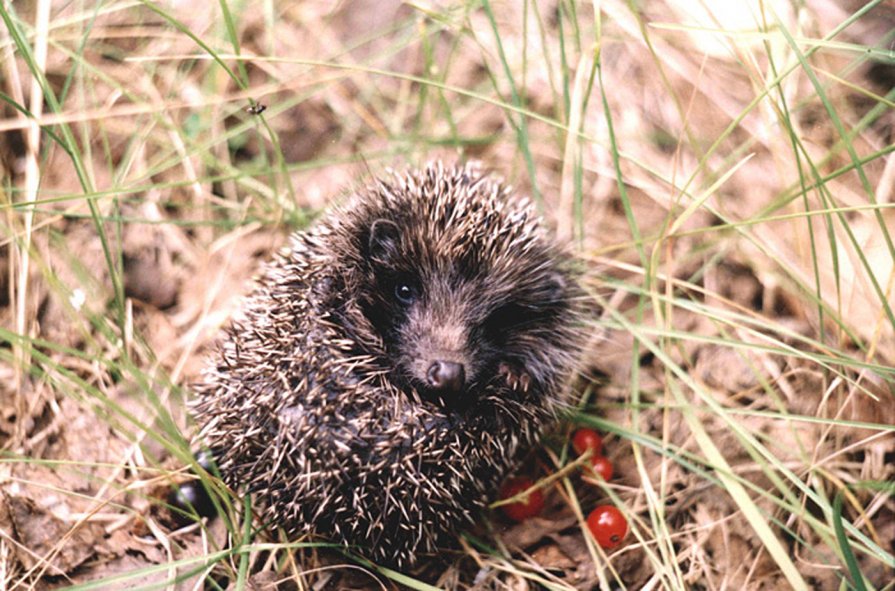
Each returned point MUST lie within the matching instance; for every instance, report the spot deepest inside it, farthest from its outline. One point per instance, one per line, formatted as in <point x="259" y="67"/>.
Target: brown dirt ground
<point x="83" y="477"/>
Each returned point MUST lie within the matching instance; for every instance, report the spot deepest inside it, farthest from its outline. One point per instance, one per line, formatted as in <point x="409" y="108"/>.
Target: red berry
<point x="608" y="526"/>
<point x="585" y="439"/>
<point x="601" y="466"/>
<point x="521" y="510"/>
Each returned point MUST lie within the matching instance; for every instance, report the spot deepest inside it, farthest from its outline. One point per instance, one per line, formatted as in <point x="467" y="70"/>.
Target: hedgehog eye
<point x="405" y="293"/>
<point x="506" y="317"/>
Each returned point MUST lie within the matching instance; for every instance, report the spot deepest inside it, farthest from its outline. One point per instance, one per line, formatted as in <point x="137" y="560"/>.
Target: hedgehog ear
<point x="384" y="237"/>
<point x="555" y="288"/>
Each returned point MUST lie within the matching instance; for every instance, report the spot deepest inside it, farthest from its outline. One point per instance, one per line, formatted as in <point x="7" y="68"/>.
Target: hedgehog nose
<point x="446" y="376"/>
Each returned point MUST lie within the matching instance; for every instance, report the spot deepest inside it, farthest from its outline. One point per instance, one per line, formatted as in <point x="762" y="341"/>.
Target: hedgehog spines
<point x="327" y="401"/>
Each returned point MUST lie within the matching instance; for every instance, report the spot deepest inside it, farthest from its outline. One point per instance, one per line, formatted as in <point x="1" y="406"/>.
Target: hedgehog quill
<point x="393" y="362"/>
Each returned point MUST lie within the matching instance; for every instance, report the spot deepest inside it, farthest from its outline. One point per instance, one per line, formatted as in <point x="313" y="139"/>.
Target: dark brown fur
<point x="319" y="401"/>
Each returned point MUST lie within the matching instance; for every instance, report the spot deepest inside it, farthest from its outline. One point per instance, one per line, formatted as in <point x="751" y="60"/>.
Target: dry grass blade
<point x="722" y="172"/>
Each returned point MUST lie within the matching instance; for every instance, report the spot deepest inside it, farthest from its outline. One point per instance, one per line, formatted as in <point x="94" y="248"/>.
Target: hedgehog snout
<point x="446" y="377"/>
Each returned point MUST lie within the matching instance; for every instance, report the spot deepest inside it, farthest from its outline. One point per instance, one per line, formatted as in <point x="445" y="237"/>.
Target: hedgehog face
<point x="466" y="296"/>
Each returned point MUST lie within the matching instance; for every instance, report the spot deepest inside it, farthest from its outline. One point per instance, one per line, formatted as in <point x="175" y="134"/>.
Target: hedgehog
<point x="393" y="363"/>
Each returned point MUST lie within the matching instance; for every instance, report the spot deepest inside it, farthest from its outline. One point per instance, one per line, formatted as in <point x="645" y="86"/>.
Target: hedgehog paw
<point x="517" y="379"/>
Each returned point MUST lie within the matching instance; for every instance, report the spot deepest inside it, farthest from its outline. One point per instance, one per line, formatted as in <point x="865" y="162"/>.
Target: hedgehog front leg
<point x="517" y="378"/>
